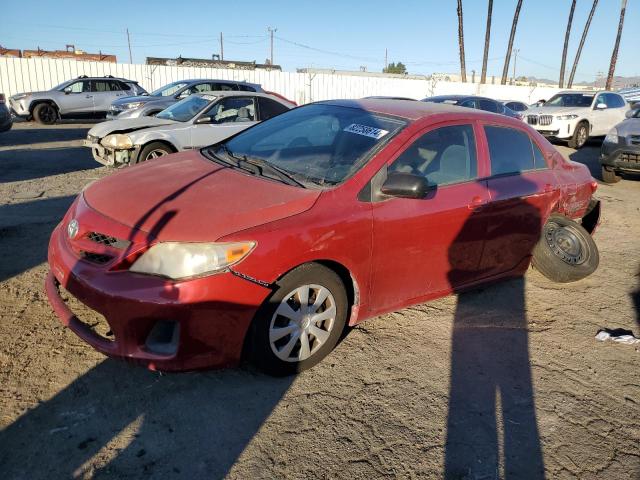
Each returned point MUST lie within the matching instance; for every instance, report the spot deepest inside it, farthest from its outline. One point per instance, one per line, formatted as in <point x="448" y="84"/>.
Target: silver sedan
<point x="195" y="122"/>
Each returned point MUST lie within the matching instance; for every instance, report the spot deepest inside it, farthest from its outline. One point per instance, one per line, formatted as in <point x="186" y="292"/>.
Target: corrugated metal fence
<point x="33" y="74"/>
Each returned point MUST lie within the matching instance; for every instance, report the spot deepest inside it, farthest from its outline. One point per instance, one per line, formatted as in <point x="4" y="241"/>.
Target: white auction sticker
<point x="372" y="132"/>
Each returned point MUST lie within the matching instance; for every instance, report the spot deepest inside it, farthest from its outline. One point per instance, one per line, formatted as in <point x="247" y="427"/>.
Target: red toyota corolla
<point x="269" y="244"/>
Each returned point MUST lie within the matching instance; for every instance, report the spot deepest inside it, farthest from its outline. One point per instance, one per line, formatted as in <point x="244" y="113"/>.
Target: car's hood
<point x="34" y="94"/>
<point x="555" y="110"/>
<point x="185" y="197"/>
<point x="630" y="126"/>
<point x="127" y="125"/>
<point x="138" y="98"/>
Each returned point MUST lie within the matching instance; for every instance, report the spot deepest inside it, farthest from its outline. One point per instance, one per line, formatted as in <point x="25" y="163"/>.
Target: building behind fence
<point x="33" y="74"/>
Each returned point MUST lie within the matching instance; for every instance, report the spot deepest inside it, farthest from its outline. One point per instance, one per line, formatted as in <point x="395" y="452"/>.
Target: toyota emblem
<point x="72" y="228"/>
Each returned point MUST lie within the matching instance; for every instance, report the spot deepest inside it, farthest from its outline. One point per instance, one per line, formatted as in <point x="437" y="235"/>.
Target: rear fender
<point x="591" y="218"/>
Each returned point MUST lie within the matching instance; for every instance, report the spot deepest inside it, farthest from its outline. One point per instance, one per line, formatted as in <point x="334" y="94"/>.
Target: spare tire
<point x="565" y="252"/>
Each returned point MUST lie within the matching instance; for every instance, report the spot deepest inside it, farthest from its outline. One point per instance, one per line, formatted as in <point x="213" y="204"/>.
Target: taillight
<point x="3" y="99"/>
<point x="594" y="185"/>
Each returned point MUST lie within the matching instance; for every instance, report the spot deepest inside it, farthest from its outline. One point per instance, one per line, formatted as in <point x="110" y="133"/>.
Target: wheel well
<point x="164" y="142"/>
<point x="348" y="281"/>
<point x="35" y="103"/>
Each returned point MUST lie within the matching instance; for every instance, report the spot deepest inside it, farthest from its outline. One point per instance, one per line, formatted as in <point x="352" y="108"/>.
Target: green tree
<point x="395" y="68"/>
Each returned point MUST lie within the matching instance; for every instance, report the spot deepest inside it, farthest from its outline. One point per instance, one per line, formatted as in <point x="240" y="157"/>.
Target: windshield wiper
<point x="264" y="166"/>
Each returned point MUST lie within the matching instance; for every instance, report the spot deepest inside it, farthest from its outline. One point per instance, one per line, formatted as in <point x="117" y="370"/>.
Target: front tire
<point x="300" y="323"/>
<point x="580" y="135"/>
<point x="609" y="175"/>
<point x="565" y="252"/>
<point x="45" y="114"/>
<point x="152" y="151"/>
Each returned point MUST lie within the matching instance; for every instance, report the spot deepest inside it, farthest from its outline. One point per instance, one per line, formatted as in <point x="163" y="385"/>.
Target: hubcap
<point x="155" y="154"/>
<point x="566" y="243"/>
<point x="302" y="323"/>
<point x="582" y="135"/>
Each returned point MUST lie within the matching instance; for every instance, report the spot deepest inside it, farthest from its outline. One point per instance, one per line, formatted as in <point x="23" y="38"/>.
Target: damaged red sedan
<point x="268" y="245"/>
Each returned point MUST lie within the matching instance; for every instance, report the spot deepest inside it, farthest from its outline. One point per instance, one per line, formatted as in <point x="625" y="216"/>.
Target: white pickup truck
<point x="576" y="116"/>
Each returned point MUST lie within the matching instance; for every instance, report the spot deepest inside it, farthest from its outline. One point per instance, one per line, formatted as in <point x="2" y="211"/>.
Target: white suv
<point x="576" y="116"/>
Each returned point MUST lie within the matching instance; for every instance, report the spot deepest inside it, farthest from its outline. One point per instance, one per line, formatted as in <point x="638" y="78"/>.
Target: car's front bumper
<point x="19" y="108"/>
<point x="206" y="318"/>
<point x="562" y="129"/>
<point x="621" y="156"/>
<point x="111" y="157"/>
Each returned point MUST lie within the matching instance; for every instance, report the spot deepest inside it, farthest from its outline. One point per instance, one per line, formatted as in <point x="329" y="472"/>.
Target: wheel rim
<point x="302" y="323"/>
<point x="566" y="243"/>
<point x="582" y="135"/>
<point x="155" y="154"/>
<point x="47" y="114"/>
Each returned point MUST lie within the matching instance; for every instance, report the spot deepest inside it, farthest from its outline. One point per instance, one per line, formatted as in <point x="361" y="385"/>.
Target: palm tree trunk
<point x="584" y="36"/>
<point x="505" y="70"/>
<point x="487" y="37"/>
<point x="614" y="55"/>
<point x="463" y="68"/>
<point x="566" y="44"/>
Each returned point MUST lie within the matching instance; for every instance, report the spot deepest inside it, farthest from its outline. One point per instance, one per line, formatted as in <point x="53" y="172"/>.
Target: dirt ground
<point x="510" y="375"/>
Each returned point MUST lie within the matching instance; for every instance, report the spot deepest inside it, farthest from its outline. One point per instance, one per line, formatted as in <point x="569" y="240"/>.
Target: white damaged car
<point x="574" y="116"/>
<point x="195" y="122"/>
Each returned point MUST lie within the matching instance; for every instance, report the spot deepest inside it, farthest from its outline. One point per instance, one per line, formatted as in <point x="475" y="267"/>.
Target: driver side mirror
<point x="67" y="90"/>
<point x="601" y="106"/>
<point x="630" y="113"/>
<point x="204" y="119"/>
<point x="405" y="185"/>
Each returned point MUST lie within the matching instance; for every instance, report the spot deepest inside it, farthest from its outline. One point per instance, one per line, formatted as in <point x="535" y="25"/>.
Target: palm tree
<point x="614" y="55"/>
<point x="463" y="69"/>
<point x="584" y="36"/>
<point x="566" y="44"/>
<point x="505" y="70"/>
<point x="487" y="37"/>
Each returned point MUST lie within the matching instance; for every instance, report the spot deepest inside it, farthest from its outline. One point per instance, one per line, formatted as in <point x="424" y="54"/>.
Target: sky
<point x="333" y="34"/>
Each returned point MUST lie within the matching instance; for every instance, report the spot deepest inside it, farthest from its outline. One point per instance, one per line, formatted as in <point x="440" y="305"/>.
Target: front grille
<point x="107" y="240"/>
<point x="532" y="119"/>
<point x="629" y="157"/>
<point x="98" y="258"/>
<point x="545" y="120"/>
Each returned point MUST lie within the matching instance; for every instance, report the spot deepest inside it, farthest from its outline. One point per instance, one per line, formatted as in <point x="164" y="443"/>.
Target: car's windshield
<point x="570" y="100"/>
<point x="449" y="100"/>
<point x="184" y="110"/>
<point x="323" y="144"/>
<point x="168" y="90"/>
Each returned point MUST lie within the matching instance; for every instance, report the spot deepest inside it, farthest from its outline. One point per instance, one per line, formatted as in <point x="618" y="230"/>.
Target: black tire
<point x="147" y="152"/>
<point x="45" y="114"/>
<point x="565" y="252"/>
<point x="609" y="175"/>
<point x="580" y="135"/>
<point x="258" y="344"/>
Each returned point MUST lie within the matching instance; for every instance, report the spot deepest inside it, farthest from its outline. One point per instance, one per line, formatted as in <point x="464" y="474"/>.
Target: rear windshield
<point x="324" y="144"/>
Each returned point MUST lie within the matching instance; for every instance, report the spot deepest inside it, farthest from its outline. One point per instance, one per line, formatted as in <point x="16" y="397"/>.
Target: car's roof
<point x="456" y="97"/>
<point x="220" y="80"/>
<point x="408" y="109"/>
<point x="212" y="95"/>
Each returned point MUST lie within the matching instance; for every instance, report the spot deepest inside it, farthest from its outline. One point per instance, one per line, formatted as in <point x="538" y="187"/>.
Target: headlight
<point x="612" y="136"/>
<point x="117" y="141"/>
<point x="566" y="117"/>
<point x="130" y="106"/>
<point x="182" y="260"/>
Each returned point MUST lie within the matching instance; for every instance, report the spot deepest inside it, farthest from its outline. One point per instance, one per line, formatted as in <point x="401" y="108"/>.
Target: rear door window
<point x="270" y="108"/>
<point x="512" y="151"/>
<point x="444" y="156"/>
<point x="225" y="87"/>
<point x="488" y="106"/>
<point x="245" y="88"/>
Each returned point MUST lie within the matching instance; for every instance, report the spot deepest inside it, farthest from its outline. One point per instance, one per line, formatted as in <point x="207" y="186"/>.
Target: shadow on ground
<point x="29" y="164"/>
<point x="175" y="426"/>
<point x="24" y="232"/>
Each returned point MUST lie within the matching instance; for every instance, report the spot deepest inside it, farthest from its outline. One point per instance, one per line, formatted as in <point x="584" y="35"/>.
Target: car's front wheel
<point x="580" y="135"/>
<point x="152" y="151"/>
<point x="565" y="252"/>
<point x="45" y="114"/>
<point x="609" y="175"/>
<point x="300" y="323"/>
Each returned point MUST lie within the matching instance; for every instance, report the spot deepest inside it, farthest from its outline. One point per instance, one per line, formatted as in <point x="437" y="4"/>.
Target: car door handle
<point x="476" y="203"/>
<point x="89" y="96"/>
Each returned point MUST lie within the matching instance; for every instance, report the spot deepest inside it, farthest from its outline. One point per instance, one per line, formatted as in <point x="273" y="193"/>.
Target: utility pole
<point x="129" y="43"/>
<point x="386" y="64"/>
<point x="271" y="31"/>
<point x="221" y="47"/>
<point x="515" y="59"/>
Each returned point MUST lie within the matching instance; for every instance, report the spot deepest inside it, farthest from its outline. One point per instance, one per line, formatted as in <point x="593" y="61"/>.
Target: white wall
<point x="33" y="74"/>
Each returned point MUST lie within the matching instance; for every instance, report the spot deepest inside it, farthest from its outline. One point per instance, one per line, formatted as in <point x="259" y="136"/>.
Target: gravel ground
<point x="509" y="375"/>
